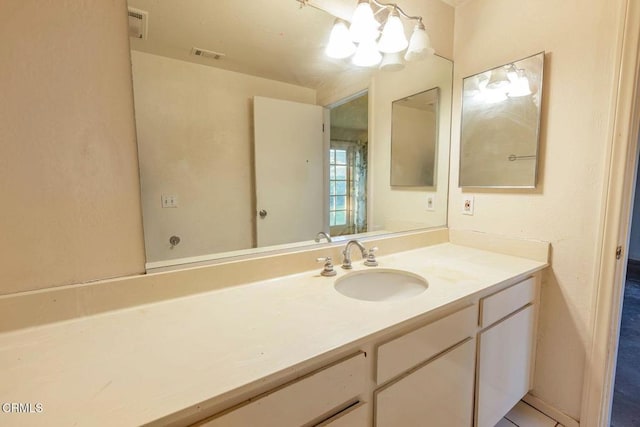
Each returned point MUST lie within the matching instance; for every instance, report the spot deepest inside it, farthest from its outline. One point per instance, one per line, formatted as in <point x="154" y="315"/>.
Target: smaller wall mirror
<point x="500" y="125"/>
<point x="414" y="136"/>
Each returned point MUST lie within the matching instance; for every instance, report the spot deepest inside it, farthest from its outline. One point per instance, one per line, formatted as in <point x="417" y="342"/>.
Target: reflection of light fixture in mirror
<point x="498" y="79"/>
<point x="520" y="87"/>
<point x="393" y="39"/>
<point x="492" y="96"/>
<point x="392" y="62"/>
<point x="365" y="29"/>
<point x="340" y="45"/>
<point x="367" y="54"/>
<point x="471" y="86"/>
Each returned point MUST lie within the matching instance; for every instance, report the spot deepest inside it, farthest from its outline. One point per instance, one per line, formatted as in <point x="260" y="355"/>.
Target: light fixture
<point x="393" y="39"/>
<point x="392" y="62"/>
<point x="364" y="30"/>
<point x="340" y="45"/>
<point x="367" y="54"/>
<point x="419" y="45"/>
<point x="364" y="26"/>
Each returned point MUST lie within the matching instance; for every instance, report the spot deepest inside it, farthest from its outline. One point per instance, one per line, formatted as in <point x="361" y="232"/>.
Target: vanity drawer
<point x="354" y="416"/>
<point x="505" y="302"/>
<point x="413" y="348"/>
<point x="301" y="401"/>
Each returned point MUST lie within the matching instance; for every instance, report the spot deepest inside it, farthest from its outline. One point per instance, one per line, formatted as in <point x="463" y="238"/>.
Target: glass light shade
<point x="419" y="44"/>
<point x="392" y="62"/>
<point x="498" y="79"/>
<point x="393" y="38"/>
<point x="363" y="24"/>
<point x="520" y="87"/>
<point x="367" y="54"/>
<point x="340" y="45"/>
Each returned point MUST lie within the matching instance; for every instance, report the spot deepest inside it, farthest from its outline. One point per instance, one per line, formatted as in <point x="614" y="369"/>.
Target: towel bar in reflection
<point x="513" y="157"/>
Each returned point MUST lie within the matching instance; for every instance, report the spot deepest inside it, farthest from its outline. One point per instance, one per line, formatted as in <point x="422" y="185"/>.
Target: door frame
<point x="615" y="222"/>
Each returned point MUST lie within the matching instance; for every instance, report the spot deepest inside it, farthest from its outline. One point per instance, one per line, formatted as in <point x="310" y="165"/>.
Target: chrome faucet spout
<point x="346" y="261"/>
<point x="322" y="234"/>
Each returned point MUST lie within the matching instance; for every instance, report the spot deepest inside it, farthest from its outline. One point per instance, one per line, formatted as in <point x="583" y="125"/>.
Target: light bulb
<point x="340" y="45"/>
<point x="363" y="24"/>
<point x="393" y="38"/>
<point x="367" y="54"/>
<point x="419" y="45"/>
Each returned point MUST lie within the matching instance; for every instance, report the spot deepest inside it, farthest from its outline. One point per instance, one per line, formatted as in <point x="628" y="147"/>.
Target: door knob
<point x="263" y="213"/>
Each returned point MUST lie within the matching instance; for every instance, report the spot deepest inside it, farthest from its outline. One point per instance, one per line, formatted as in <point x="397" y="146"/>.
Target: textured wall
<point x="68" y="162"/>
<point x="580" y="40"/>
<point x="195" y="138"/>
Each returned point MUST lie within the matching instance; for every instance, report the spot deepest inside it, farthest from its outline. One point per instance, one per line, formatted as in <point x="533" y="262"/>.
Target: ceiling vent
<point x="138" y="20"/>
<point x="196" y="51"/>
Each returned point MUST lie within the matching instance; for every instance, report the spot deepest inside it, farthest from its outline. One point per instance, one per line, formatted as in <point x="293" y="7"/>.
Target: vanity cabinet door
<point x="504" y="366"/>
<point x="438" y="393"/>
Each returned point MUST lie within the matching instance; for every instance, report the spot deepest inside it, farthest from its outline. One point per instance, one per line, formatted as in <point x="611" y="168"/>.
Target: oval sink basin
<point x="381" y="285"/>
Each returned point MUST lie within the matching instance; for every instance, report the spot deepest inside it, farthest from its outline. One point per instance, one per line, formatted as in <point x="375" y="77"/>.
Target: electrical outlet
<point x="431" y="202"/>
<point x="169" y="201"/>
<point x="467" y="205"/>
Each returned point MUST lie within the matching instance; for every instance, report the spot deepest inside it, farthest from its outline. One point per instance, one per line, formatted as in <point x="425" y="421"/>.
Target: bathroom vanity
<point x="292" y="350"/>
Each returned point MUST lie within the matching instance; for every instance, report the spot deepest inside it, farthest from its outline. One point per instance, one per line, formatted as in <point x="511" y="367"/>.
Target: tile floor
<point x="524" y="415"/>
<point x="626" y="395"/>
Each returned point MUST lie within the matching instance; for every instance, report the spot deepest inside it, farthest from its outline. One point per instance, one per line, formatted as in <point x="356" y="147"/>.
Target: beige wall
<point x="414" y="136"/>
<point x="580" y="39"/>
<point x="195" y="138"/>
<point x="68" y="164"/>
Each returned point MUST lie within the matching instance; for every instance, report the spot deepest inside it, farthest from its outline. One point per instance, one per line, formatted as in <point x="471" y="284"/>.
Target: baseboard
<point x="550" y="411"/>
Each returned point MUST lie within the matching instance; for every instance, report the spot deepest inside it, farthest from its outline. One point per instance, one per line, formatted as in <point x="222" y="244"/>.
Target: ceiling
<point x="275" y="39"/>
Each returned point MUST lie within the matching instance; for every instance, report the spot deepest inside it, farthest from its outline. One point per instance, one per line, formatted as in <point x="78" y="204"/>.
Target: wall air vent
<point x="196" y="51"/>
<point x="138" y="23"/>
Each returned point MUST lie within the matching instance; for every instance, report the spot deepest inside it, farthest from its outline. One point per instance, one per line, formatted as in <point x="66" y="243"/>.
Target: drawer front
<point x="413" y="348"/>
<point x="505" y="302"/>
<point x="355" y="416"/>
<point x="303" y="400"/>
<point x="438" y="394"/>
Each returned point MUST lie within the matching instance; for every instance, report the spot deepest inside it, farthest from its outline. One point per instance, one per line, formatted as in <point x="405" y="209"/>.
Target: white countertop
<point x="136" y="365"/>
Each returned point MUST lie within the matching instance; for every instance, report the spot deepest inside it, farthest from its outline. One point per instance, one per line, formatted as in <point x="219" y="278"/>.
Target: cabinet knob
<point x="262" y="213"/>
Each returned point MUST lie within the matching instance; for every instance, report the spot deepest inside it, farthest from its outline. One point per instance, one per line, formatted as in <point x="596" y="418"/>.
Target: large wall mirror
<point x="222" y="92"/>
<point x="500" y="125"/>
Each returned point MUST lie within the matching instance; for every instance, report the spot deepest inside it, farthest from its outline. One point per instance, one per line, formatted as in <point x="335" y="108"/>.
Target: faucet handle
<point x="371" y="258"/>
<point x="328" y="270"/>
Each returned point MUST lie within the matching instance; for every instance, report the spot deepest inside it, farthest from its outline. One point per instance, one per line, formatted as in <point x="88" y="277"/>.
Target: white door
<point x="290" y="169"/>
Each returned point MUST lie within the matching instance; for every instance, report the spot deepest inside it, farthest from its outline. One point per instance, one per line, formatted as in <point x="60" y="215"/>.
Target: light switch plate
<point x="169" y="201"/>
<point x="467" y="205"/>
<point x="431" y="202"/>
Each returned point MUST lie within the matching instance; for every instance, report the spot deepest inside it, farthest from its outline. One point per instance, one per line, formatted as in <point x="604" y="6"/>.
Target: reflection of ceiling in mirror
<point x="352" y="114"/>
<point x="275" y="39"/>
